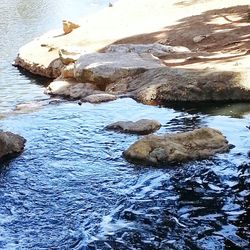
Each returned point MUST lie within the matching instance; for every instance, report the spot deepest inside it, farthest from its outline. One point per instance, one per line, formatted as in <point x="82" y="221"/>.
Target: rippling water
<point x="71" y="188"/>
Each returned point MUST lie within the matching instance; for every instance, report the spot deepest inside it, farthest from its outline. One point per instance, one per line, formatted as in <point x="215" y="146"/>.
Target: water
<point x="71" y="188"/>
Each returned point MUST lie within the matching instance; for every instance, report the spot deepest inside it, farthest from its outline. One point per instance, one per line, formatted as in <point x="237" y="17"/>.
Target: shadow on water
<point x="34" y="79"/>
<point x="237" y="110"/>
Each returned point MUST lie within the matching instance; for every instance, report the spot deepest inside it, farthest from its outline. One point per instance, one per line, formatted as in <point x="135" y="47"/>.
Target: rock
<point x="50" y="70"/>
<point x="70" y="54"/>
<point x="198" y="39"/>
<point x="185" y="85"/>
<point x="98" y="98"/>
<point x="141" y="127"/>
<point x="28" y="107"/>
<point x="176" y="148"/>
<point x="155" y="49"/>
<point x="248" y="154"/>
<point x="70" y="88"/>
<point x="69" y="26"/>
<point x="10" y="144"/>
<point x="104" y="68"/>
<point x="68" y="71"/>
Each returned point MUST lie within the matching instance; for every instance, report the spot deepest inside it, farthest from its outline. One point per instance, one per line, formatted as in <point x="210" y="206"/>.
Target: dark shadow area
<point x="35" y="79"/>
<point x="233" y="109"/>
<point x="6" y="160"/>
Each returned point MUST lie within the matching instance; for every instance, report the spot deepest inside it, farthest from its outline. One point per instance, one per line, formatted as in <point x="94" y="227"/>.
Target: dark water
<point x="71" y="188"/>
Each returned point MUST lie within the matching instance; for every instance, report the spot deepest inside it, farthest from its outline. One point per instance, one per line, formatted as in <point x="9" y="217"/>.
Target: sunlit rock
<point x="175" y="148"/>
<point x="69" y="26"/>
<point x="104" y="68"/>
<point x="142" y="127"/>
<point x="98" y="98"/>
<point x="70" y="88"/>
<point x="10" y="144"/>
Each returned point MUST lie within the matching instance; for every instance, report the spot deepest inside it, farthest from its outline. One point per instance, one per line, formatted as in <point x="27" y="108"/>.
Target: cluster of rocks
<point x="169" y="148"/>
<point x="136" y="70"/>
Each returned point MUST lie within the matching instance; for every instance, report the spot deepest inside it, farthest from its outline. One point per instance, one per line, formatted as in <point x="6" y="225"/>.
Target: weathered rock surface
<point x="69" y="26"/>
<point x="155" y="49"/>
<point x="98" y="98"/>
<point x="168" y="84"/>
<point x="70" y="88"/>
<point x="141" y="127"/>
<point x="10" y="144"/>
<point x="176" y="148"/>
<point x="105" y="68"/>
<point x="51" y="70"/>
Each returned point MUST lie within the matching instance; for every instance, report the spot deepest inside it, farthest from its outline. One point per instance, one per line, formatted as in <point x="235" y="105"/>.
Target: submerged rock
<point x="104" y="68"/>
<point x="98" y="98"/>
<point x="155" y="49"/>
<point x="10" y="144"/>
<point x="142" y="127"/>
<point x="176" y="148"/>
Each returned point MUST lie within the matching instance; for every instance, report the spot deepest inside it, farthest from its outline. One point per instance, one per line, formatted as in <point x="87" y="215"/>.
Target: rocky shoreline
<point x="83" y="64"/>
<point x="96" y="61"/>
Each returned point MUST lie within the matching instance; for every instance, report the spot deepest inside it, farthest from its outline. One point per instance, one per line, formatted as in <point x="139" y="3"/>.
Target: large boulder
<point x="141" y="127"/>
<point x="104" y="68"/>
<point x="175" y="148"/>
<point x="155" y="49"/>
<point x="10" y="144"/>
<point x="169" y="84"/>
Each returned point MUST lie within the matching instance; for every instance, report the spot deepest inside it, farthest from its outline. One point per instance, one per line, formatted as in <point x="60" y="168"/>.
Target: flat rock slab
<point x="177" y="148"/>
<point x="104" y="68"/>
<point x="98" y="98"/>
<point x="155" y="49"/>
<point x="141" y="127"/>
<point x="70" y="88"/>
<point x="11" y="144"/>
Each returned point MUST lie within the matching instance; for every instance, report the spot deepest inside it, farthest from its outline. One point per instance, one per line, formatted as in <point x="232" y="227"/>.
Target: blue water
<point x="71" y="187"/>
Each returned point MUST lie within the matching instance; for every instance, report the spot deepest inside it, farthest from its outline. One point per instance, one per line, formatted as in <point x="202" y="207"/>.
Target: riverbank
<point x="214" y="35"/>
